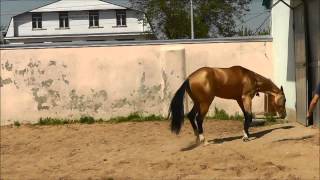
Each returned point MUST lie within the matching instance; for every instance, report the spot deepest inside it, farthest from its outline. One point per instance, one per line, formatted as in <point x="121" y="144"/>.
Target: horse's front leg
<point x="246" y="125"/>
<point x="246" y="103"/>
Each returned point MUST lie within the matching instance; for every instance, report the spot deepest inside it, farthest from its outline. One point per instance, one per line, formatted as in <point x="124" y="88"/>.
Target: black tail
<point x="177" y="109"/>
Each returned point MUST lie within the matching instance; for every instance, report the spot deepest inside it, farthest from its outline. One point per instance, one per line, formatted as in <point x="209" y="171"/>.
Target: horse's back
<point x="222" y="82"/>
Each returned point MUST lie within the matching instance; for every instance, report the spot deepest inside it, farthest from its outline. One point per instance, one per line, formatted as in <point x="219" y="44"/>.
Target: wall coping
<point x="80" y="44"/>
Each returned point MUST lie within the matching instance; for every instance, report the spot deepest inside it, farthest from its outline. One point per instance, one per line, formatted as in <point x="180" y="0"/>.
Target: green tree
<point x="2" y="33"/>
<point x="245" y="32"/>
<point x="212" y="18"/>
<point x="248" y="32"/>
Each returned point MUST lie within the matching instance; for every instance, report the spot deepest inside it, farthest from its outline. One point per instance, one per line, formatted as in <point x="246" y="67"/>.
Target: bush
<point x="270" y="118"/>
<point x="133" y="117"/>
<point x="52" y="121"/>
<point x="136" y="117"/>
<point x="17" y="123"/>
<point x="221" y="114"/>
<point x="87" y="120"/>
<point x="237" y="116"/>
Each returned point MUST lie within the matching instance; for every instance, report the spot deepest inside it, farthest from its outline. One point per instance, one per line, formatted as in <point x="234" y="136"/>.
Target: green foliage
<point x="87" y="120"/>
<point x="270" y="118"/>
<point x="133" y="117"/>
<point x="221" y="114"/>
<point x="17" y="123"/>
<point x="100" y="121"/>
<point x="3" y="28"/>
<point x="53" y="121"/>
<point x="2" y="33"/>
<point x="236" y="116"/>
<point x="171" y="18"/>
<point x="136" y="117"/>
<point x="267" y="4"/>
<point x="244" y="31"/>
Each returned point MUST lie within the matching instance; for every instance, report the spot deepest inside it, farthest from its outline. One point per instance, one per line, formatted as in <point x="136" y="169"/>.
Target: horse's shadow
<point x="227" y="139"/>
<point x="190" y="147"/>
<point x="254" y="135"/>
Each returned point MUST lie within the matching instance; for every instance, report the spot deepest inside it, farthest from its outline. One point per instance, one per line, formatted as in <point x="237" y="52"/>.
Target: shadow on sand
<point x="255" y="135"/>
<point x="190" y="147"/>
<point x="227" y="139"/>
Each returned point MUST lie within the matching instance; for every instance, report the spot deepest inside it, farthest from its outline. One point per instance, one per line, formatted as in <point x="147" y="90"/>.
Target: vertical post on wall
<point x="191" y="17"/>
<point x="308" y="57"/>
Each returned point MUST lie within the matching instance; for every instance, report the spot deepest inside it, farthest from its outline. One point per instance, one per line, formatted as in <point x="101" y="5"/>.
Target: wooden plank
<point x="301" y="69"/>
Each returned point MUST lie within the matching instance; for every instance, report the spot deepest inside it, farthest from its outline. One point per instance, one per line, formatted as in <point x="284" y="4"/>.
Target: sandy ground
<point x="148" y="150"/>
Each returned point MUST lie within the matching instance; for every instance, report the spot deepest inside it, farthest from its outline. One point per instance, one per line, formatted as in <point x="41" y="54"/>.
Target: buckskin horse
<point x="236" y="82"/>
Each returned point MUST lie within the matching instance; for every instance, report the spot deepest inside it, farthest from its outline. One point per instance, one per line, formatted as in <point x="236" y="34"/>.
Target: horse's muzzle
<point x="283" y="115"/>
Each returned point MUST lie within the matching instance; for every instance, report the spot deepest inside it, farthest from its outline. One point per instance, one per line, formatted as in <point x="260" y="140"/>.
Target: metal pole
<point x="191" y="12"/>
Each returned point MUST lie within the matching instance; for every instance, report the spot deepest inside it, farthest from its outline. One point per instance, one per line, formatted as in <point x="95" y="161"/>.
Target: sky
<point x="9" y="8"/>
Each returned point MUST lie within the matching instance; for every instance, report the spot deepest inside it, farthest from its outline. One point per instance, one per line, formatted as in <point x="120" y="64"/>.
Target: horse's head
<point x="280" y="103"/>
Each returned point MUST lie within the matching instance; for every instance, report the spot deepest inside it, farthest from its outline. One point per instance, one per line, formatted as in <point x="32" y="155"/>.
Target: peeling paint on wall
<point x="120" y="103"/>
<point x="76" y="101"/>
<point x="33" y="64"/>
<point x="5" y="81"/>
<point x="54" y="96"/>
<point x="142" y="97"/>
<point x="35" y="77"/>
<point x="166" y="94"/>
<point x="8" y="66"/>
<point x="92" y="102"/>
<point x="41" y="100"/>
<point x="64" y="79"/>
<point x="21" y="72"/>
<point x="68" y="82"/>
<point x="52" y="63"/>
<point x="47" y="83"/>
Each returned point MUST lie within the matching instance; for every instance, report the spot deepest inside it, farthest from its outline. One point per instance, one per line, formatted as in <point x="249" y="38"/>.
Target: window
<point x="121" y="17"/>
<point x="93" y="19"/>
<point x="63" y="20"/>
<point x="36" y="21"/>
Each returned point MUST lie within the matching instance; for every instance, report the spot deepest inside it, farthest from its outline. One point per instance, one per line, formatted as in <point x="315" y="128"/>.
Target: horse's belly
<point x="227" y="96"/>
<point x="228" y="93"/>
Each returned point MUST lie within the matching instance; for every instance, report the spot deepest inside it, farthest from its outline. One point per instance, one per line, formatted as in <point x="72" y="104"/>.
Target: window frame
<point x="121" y="18"/>
<point x="94" y="19"/>
<point x="64" y="22"/>
<point x="36" y="21"/>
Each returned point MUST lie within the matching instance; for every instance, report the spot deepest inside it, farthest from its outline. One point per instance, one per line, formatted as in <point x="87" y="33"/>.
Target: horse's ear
<point x="281" y="88"/>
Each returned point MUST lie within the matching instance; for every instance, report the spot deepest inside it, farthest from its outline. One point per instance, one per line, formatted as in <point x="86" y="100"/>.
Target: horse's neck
<point x="266" y="85"/>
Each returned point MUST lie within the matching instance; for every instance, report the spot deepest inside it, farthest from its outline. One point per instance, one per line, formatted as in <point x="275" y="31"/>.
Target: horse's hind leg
<point x="192" y="117"/>
<point x="204" y="107"/>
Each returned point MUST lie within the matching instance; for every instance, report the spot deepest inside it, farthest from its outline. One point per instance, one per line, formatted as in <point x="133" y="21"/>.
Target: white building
<point x="77" y="20"/>
<point x="296" y="42"/>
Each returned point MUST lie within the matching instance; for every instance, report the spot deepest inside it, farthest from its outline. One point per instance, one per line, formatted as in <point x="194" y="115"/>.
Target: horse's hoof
<point x="245" y="139"/>
<point x="204" y="142"/>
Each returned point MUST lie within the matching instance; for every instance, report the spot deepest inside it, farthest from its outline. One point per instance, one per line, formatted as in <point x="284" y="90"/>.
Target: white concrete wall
<point x="78" y="23"/>
<point x="115" y="81"/>
<point x="283" y="51"/>
<point x="10" y="31"/>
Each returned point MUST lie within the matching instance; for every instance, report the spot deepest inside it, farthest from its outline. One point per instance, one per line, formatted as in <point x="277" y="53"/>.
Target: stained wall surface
<point x="106" y="82"/>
